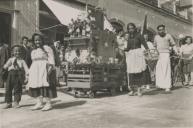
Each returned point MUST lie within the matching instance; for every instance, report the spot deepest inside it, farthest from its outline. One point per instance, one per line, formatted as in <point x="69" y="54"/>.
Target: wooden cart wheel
<point x="85" y="92"/>
<point x="75" y="94"/>
<point x="92" y="94"/>
<point x="113" y="91"/>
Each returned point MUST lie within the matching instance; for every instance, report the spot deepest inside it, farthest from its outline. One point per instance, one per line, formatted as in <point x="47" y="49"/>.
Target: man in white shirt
<point x="163" y="41"/>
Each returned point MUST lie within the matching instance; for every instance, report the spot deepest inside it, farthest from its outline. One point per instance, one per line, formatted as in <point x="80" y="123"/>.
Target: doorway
<point x="5" y="28"/>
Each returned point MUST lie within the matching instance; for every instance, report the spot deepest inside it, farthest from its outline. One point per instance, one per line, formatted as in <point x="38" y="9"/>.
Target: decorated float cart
<point x="91" y="56"/>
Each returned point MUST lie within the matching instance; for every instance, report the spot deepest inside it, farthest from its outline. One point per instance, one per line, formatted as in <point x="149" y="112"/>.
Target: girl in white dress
<point x="42" y="75"/>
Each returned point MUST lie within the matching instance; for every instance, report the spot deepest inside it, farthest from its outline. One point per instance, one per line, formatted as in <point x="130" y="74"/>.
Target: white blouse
<point x="20" y="62"/>
<point x="43" y="54"/>
<point x="186" y="50"/>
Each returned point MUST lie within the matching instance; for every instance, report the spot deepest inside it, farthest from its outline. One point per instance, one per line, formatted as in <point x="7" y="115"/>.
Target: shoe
<point x="191" y="83"/>
<point x="139" y="94"/>
<point x="186" y="83"/>
<point x="167" y="90"/>
<point x="8" y="105"/>
<point x="37" y="106"/>
<point x="147" y="87"/>
<point x="131" y="93"/>
<point x="16" y="105"/>
<point x="47" y="107"/>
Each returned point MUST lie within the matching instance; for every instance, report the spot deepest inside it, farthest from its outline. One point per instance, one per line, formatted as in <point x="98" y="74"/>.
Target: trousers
<point x="14" y="84"/>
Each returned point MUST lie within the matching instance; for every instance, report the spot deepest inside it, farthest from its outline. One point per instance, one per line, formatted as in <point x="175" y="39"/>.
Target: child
<point x="42" y="74"/>
<point x="186" y="51"/>
<point x="17" y="76"/>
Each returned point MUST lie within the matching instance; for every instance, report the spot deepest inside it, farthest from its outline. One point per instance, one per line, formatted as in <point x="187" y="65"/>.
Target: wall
<point x="6" y="5"/>
<point x="7" y="8"/>
<point x="27" y="20"/>
<point x="131" y="11"/>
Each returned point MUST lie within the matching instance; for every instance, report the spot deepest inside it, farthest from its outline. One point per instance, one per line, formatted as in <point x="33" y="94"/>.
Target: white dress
<point x="38" y="70"/>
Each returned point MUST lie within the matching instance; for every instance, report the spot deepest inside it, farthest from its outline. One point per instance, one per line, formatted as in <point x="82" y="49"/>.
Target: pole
<point x="86" y="5"/>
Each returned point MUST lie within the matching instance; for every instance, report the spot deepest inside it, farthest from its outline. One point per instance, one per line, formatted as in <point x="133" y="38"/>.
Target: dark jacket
<point x="26" y="55"/>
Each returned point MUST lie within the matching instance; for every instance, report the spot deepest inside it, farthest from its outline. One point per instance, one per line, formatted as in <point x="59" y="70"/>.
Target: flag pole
<point x="86" y="5"/>
<point x="144" y="27"/>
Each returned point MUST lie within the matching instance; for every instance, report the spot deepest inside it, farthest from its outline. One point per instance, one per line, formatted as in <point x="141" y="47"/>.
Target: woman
<point x="42" y="74"/>
<point x="186" y="51"/>
<point x="135" y="60"/>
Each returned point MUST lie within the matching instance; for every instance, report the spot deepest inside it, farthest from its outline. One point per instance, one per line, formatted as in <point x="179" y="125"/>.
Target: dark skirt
<point x="49" y="92"/>
<point x="187" y="66"/>
<point x="140" y="79"/>
<point x="1" y="78"/>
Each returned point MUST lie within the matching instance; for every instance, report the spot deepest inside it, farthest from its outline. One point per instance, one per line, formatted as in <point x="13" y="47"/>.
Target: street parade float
<point x="91" y="58"/>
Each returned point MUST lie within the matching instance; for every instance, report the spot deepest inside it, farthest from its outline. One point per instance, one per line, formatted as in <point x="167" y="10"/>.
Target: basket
<point x="152" y="57"/>
<point x="151" y="54"/>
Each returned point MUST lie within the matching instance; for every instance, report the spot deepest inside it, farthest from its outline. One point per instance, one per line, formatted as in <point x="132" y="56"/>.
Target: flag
<point x="144" y="27"/>
<point x="107" y="24"/>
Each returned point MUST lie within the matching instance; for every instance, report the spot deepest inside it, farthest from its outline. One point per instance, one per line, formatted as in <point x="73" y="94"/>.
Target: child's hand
<point x="50" y="68"/>
<point x="26" y="87"/>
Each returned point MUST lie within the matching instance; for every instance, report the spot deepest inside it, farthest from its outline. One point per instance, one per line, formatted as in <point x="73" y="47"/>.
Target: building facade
<point x="18" y="18"/>
<point x="135" y="10"/>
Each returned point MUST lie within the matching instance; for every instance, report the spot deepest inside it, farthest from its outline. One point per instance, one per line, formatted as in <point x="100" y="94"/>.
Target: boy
<point x="17" y="75"/>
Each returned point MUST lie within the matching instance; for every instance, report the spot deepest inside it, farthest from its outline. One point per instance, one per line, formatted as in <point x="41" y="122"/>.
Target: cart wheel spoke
<point x="113" y="91"/>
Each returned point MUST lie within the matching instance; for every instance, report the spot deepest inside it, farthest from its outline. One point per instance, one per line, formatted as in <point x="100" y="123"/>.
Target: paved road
<point x="153" y="110"/>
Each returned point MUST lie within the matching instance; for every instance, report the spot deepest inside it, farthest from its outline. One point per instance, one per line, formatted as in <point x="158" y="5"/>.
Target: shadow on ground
<point x="162" y="91"/>
<point x="29" y="105"/>
<point x="68" y="104"/>
<point x="99" y="94"/>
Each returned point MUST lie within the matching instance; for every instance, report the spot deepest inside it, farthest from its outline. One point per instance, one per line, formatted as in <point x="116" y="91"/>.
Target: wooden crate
<point x="95" y="76"/>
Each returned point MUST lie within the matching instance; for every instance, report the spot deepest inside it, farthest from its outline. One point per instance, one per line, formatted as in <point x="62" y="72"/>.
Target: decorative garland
<point x="82" y="25"/>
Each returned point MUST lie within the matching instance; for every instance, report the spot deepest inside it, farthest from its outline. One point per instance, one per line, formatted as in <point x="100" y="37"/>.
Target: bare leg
<point x="191" y="78"/>
<point x="48" y="105"/>
<point x="39" y="103"/>
<point x="139" y="91"/>
<point x="186" y="79"/>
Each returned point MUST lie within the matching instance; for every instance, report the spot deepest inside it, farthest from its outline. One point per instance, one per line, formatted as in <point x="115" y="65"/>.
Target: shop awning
<point x="63" y="12"/>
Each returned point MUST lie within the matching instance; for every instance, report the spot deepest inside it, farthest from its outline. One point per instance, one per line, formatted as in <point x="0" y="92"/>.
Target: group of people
<point x="32" y="67"/>
<point x="37" y="67"/>
<point x="132" y="45"/>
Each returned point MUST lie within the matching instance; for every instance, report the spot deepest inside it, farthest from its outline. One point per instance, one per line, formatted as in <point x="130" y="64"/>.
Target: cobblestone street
<point x="154" y="109"/>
